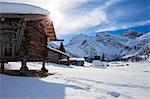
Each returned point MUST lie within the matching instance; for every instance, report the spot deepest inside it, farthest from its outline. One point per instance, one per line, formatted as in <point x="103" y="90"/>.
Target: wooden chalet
<point x="73" y="61"/>
<point x="53" y="52"/>
<point x="132" y="58"/>
<point x="24" y="32"/>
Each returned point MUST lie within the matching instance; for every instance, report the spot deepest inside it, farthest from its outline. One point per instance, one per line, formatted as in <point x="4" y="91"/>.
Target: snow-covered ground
<point x="115" y="82"/>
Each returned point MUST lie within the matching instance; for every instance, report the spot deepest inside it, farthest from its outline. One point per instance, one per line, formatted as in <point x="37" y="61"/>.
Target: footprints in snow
<point x="114" y="94"/>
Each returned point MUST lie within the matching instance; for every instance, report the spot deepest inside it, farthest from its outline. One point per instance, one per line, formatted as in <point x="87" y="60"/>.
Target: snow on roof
<point x="148" y="59"/>
<point x="130" y="55"/>
<point x="97" y="62"/>
<point x="63" y="60"/>
<point x="18" y="8"/>
<point x="77" y="59"/>
<point x="56" y="50"/>
<point x="73" y="59"/>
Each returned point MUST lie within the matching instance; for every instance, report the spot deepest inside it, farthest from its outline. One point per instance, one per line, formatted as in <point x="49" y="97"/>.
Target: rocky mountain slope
<point x="140" y="45"/>
<point x="112" y="46"/>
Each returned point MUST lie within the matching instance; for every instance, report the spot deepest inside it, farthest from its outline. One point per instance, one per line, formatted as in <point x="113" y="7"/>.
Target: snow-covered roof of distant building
<point x="97" y="62"/>
<point x="18" y="8"/>
<point x="77" y="59"/>
<point x="73" y="59"/>
<point x="148" y="59"/>
<point x="56" y="50"/>
<point x="63" y="60"/>
<point x="130" y="55"/>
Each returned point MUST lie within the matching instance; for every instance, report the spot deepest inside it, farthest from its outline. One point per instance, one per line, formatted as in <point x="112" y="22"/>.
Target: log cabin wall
<point x="25" y="36"/>
<point x="54" y="56"/>
<point x="80" y="63"/>
<point x="21" y="36"/>
<point x="11" y="30"/>
<point x="34" y="43"/>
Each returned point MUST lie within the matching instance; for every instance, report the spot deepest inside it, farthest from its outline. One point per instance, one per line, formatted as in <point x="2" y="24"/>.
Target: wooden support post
<point x="43" y="67"/>
<point x="24" y="69"/>
<point x="68" y="61"/>
<point x="2" y="66"/>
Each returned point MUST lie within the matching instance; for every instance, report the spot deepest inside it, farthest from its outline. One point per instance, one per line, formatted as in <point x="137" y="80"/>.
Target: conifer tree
<point x="97" y="57"/>
<point x="103" y="58"/>
<point x="61" y="48"/>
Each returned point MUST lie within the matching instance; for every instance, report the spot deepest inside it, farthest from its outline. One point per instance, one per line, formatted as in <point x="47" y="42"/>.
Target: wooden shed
<point x="73" y="61"/>
<point x="77" y="61"/>
<point x="64" y="61"/>
<point x="133" y="58"/>
<point x="98" y="64"/>
<point x="24" y="32"/>
<point x="55" y="55"/>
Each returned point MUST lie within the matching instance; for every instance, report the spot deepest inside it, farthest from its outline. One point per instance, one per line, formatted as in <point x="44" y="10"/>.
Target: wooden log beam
<point x="35" y="17"/>
<point x="3" y="26"/>
<point x="15" y="15"/>
<point x="53" y="39"/>
<point x="24" y="69"/>
<point x="43" y="69"/>
<point x="34" y="31"/>
<point x="20" y="36"/>
<point x="8" y="31"/>
<point x="2" y="66"/>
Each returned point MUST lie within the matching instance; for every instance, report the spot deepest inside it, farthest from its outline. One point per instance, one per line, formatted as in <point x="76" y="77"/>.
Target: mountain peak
<point x="132" y="34"/>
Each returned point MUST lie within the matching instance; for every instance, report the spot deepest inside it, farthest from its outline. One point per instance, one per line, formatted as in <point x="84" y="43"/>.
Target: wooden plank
<point x="8" y="31"/>
<point x="35" y="17"/>
<point x="50" y="34"/>
<point x="5" y="26"/>
<point x="49" y="28"/>
<point x="20" y="36"/>
<point x="8" y="15"/>
<point x="34" y="49"/>
<point x="32" y="30"/>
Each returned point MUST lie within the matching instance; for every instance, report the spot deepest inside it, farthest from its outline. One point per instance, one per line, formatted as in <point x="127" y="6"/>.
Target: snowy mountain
<point x="112" y="46"/>
<point x="139" y="46"/>
<point x="102" y="43"/>
<point x="132" y="34"/>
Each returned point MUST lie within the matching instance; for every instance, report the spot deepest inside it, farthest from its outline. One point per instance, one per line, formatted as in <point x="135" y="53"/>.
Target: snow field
<point x="117" y="81"/>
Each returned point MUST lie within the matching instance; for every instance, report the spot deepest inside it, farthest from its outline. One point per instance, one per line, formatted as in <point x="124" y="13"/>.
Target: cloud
<point x="109" y="3"/>
<point x="114" y="27"/>
<point x="73" y="23"/>
<point x="84" y="19"/>
<point x="67" y="23"/>
<point x="124" y="15"/>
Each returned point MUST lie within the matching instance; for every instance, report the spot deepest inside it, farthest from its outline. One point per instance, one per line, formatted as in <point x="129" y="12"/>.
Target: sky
<point x="73" y="17"/>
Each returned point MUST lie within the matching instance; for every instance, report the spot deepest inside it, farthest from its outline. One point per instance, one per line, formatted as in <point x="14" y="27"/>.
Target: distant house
<point x="77" y="61"/>
<point x="55" y="55"/>
<point x="136" y="58"/>
<point x="88" y="59"/>
<point x="73" y="61"/>
<point x="98" y="64"/>
<point x="64" y="61"/>
<point x="148" y="59"/>
<point x="132" y="58"/>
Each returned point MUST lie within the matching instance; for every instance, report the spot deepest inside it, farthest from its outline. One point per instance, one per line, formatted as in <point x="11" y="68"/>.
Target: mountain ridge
<point x="113" y="46"/>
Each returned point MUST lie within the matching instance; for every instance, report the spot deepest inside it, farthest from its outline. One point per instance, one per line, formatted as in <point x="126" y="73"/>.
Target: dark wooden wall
<point x="34" y="44"/>
<point x="55" y="56"/>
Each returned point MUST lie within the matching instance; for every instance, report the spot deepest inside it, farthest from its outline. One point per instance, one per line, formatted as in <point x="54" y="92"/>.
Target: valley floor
<point x="117" y="81"/>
